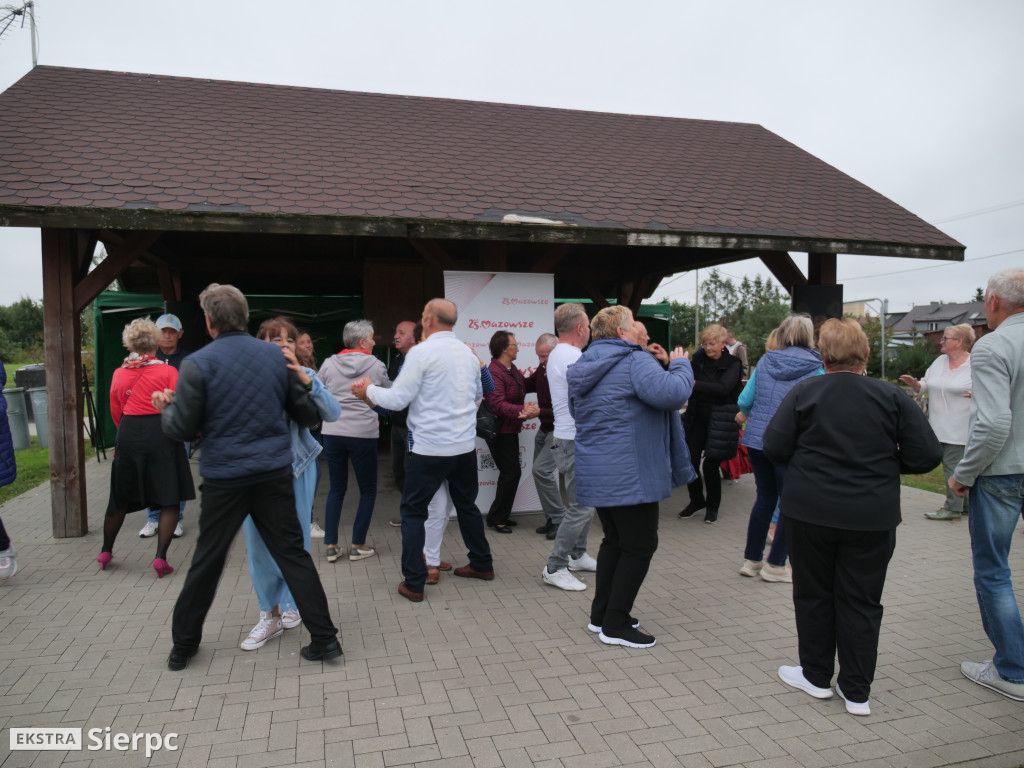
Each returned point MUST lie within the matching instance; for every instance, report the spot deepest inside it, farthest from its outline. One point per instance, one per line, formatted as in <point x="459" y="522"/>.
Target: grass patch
<point x="33" y="469"/>
<point x="933" y="481"/>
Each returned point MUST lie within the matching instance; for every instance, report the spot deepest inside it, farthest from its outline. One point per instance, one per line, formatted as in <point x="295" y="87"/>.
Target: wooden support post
<point x="785" y="270"/>
<point x="62" y="262"/>
<point x="821" y="268"/>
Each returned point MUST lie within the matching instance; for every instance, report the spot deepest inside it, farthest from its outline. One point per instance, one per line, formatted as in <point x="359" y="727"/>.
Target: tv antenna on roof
<point x="9" y="14"/>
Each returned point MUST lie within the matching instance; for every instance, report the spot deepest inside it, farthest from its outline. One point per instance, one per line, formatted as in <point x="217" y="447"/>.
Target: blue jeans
<point x="362" y="451"/>
<point x="153" y="513"/>
<point x="270" y="586"/>
<point x="997" y="503"/>
<point x="768" y="481"/>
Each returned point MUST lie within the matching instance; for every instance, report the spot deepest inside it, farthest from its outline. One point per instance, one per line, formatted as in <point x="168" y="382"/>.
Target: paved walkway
<point x="490" y="674"/>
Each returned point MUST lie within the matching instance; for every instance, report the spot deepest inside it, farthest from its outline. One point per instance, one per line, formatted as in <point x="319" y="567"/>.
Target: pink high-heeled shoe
<point x="103" y="558"/>
<point x="162" y="567"/>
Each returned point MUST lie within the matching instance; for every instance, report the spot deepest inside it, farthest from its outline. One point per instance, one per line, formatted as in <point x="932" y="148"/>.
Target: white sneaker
<point x="8" y="563"/>
<point x="853" y="707"/>
<point x="149" y="529"/>
<point x="178" y="531"/>
<point x="794" y="676"/>
<point x="777" y="574"/>
<point x="315" y="531"/>
<point x="582" y="563"/>
<point x="268" y="628"/>
<point x="563" y="580"/>
<point x="291" y="618"/>
<point x="751" y="568"/>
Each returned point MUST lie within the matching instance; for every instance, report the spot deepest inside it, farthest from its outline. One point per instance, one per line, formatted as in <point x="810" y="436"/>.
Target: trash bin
<point x="27" y="377"/>
<point x="18" y="417"/>
<point x="38" y="397"/>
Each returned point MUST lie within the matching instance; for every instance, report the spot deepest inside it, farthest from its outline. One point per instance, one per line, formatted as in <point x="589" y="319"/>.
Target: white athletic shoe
<point x="149" y="529"/>
<point x="291" y="618"/>
<point x="582" y="563"/>
<point x="178" y="531"/>
<point x="315" y="531"/>
<point x="794" y="676"/>
<point x="268" y="628"/>
<point x="563" y="580"/>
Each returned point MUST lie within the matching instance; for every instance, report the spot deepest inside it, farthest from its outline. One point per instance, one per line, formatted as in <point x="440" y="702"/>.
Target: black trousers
<point x="696" y="443"/>
<point x="505" y="451"/>
<point x="630" y="540"/>
<point x="426" y="473"/>
<point x="399" y="452"/>
<point x="838" y="576"/>
<point x="271" y="503"/>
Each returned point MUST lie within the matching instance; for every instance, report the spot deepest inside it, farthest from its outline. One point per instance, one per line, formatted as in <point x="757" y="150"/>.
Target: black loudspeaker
<point x="818" y="301"/>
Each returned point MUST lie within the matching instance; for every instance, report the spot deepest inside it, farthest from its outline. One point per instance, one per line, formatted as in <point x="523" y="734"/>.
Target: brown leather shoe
<point x="433" y="575"/>
<point x="468" y="572"/>
<point x="443" y="566"/>
<point x="408" y="594"/>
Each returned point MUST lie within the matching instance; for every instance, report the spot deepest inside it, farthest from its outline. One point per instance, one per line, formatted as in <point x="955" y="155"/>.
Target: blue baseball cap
<point x="168" y="321"/>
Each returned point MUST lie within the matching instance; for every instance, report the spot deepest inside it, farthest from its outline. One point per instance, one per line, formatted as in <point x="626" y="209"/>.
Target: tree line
<point x="21" y="330"/>
<point x="751" y="308"/>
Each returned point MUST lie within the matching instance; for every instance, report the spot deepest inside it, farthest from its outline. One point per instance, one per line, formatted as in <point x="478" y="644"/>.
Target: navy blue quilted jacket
<point x="8" y="468"/>
<point x="236" y="391"/>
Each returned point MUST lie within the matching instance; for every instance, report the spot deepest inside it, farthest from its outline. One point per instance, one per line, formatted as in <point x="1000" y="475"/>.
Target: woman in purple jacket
<point x="507" y="401"/>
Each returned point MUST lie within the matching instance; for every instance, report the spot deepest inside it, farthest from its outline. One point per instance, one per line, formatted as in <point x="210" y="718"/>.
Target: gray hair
<point x="225" y="306"/>
<point x="548" y="340"/>
<point x="796" y="331"/>
<point x="141" y="335"/>
<point x="610" y="320"/>
<point x="568" y="316"/>
<point x="355" y="331"/>
<point x="1008" y="285"/>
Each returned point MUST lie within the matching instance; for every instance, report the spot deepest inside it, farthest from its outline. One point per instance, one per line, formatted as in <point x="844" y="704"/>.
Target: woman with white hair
<point x="353" y="437"/>
<point x="947" y="382"/>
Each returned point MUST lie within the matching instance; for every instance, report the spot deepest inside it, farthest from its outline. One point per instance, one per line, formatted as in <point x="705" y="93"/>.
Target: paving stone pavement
<point x="483" y="674"/>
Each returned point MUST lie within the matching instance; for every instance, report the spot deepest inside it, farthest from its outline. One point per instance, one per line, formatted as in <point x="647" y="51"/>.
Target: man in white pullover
<point x="440" y="384"/>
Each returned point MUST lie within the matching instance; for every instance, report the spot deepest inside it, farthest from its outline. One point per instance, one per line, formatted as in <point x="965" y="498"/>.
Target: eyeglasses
<point x="949" y="338"/>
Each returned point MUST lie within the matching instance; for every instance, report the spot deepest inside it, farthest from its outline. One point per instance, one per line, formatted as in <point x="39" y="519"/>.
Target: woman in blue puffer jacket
<point x="630" y="453"/>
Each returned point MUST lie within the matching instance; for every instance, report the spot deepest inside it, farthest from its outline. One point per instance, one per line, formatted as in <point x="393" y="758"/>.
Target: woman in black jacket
<point x="709" y="420"/>
<point x="845" y="439"/>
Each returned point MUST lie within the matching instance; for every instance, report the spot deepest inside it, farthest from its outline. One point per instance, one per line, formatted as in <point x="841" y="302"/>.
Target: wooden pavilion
<point x="304" y="191"/>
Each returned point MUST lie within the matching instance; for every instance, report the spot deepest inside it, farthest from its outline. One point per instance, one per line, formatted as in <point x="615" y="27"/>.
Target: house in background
<point x="930" y="320"/>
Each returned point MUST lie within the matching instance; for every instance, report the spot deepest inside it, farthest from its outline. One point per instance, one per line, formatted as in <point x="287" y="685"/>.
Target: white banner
<point x="524" y="305"/>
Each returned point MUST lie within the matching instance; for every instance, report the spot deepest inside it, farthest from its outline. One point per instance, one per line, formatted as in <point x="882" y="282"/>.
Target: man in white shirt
<point x="570" y="550"/>
<point x="440" y="384"/>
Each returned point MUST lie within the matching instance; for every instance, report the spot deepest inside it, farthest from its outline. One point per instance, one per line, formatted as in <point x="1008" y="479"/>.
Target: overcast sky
<point x="918" y="99"/>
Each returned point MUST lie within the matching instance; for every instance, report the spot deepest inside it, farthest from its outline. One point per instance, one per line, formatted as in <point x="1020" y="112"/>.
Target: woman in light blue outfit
<point x="277" y="608"/>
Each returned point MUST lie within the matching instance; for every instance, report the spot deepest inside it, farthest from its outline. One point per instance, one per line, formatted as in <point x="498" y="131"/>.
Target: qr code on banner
<point x="484" y="460"/>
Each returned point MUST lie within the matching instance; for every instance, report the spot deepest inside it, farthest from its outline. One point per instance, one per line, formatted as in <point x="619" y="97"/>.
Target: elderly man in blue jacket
<point x="236" y="391"/>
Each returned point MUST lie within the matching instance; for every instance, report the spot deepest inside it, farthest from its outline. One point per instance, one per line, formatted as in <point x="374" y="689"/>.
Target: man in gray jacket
<point x="993" y="469"/>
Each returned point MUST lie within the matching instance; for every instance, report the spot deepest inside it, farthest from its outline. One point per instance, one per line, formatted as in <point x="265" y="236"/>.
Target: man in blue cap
<point x="172" y="353"/>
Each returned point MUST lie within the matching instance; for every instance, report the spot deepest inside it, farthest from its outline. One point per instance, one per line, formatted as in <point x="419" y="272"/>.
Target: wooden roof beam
<point x="784" y="269"/>
<point x="119" y="258"/>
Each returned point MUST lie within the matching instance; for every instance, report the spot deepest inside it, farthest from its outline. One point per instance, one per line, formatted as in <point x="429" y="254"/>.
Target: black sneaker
<point x="692" y="509"/>
<point x="711" y="516"/>
<point x="629" y="637"/>
<point x="553" y="533"/>
<point x="546" y="527"/>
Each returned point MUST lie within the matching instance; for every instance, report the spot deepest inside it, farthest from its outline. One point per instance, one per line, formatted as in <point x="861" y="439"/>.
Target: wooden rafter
<point x="119" y="257"/>
<point x="432" y="251"/>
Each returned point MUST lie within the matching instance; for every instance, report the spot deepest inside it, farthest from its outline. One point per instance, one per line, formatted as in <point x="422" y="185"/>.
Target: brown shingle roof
<point x="78" y="138"/>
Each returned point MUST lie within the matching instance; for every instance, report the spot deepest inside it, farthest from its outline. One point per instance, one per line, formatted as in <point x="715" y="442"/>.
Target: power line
<point x="934" y="266"/>
<point x="979" y="212"/>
